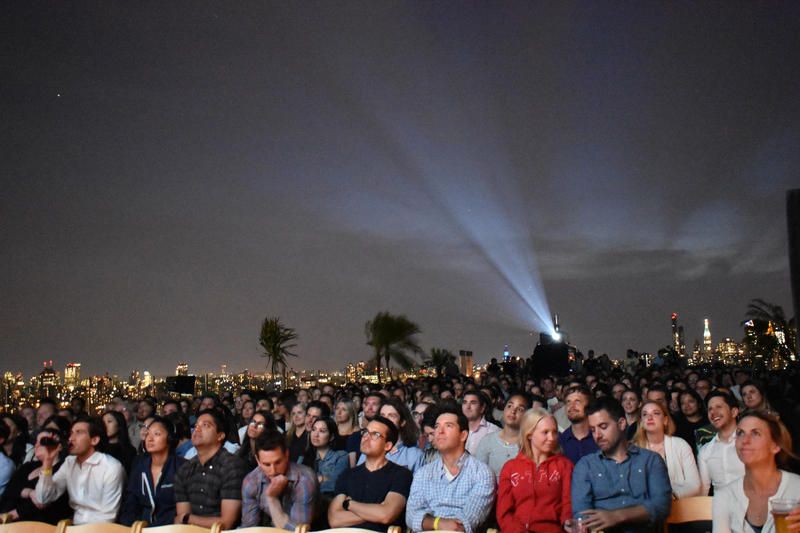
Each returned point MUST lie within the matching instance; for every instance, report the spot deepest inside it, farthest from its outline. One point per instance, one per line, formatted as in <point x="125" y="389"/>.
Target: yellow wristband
<point x="47" y="471"/>
<point x="436" y="522"/>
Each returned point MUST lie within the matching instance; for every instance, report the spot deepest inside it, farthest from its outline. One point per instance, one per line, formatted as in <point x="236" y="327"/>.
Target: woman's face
<point x="654" y="419"/>
<point x="689" y="406"/>
<point x="754" y="444"/>
<point x="112" y="428"/>
<point x="630" y="402"/>
<point x="157" y="439"/>
<point x="544" y="437"/>
<point x="256" y="426"/>
<point x="341" y="414"/>
<point x="320" y="436"/>
<point x="247" y="410"/>
<point x="298" y="415"/>
<point x="752" y="397"/>
<point x="387" y="411"/>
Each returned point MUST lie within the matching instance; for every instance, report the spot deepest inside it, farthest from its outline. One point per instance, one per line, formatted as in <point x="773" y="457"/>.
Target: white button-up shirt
<point x="474" y="438"/>
<point x="718" y="463"/>
<point x="94" y="487"/>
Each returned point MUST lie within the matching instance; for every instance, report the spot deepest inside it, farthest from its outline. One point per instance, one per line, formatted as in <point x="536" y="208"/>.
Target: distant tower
<point x="506" y="354"/>
<point x="465" y="357"/>
<point x="72" y="374"/>
<point x="676" y="338"/>
<point x="182" y="369"/>
<point x="707" y="347"/>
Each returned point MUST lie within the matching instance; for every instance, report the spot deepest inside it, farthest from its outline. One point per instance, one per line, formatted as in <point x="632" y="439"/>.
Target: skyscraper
<point x="72" y="374"/>
<point x="708" y="349"/>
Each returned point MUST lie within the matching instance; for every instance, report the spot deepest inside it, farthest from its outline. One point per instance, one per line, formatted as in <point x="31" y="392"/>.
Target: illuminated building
<point x="182" y="369"/>
<point x="729" y="351"/>
<point x="708" y="350"/>
<point x="676" y="341"/>
<point x="465" y="362"/>
<point x="506" y="354"/>
<point x="223" y="371"/>
<point x="72" y="375"/>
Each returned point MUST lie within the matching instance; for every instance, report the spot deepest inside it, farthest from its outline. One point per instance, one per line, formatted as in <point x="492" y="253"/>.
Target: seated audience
<point x="631" y="404"/>
<point x="372" y="495"/>
<point x="754" y="396"/>
<point x="260" y="421"/>
<point x="497" y="448"/>
<point x="297" y="434"/>
<point x="119" y="444"/>
<point x="619" y="486"/>
<point x="18" y="499"/>
<point x="247" y="410"/>
<point x="326" y="462"/>
<point x="764" y="446"/>
<point x="405" y="451"/>
<point x="456" y="491"/>
<point x="92" y="479"/>
<point x="654" y="434"/>
<point x="692" y="417"/>
<point x="208" y="488"/>
<point x="149" y="494"/>
<point x="278" y="493"/>
<point x="16" y="446"/>
<point x="534" y="489"/>
<point x="576" y="441"/>
<point x="717" y="460"/>
<point x="474" y="405"/>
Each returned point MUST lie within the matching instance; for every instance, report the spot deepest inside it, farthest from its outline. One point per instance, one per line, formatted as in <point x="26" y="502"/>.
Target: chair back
<point x="689" y="514"/>
<point x="31" y="527"/>
<point x="216" y="527"/>
<point x="301" y="528"/>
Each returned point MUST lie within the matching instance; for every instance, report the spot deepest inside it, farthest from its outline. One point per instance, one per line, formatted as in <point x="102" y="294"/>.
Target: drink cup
<point x="780" y="509"/>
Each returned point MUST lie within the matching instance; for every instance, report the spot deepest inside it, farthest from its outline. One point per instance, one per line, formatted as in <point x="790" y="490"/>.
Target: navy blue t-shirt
<point x="364" y="486"/>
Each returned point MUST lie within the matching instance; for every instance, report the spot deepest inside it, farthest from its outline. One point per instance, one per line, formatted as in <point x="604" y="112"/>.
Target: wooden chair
<point x="31" y="527"/>
<point x="302" y="528"/>
<point x="183" y="528"/>
<point x="685" y="510"/>
<point x="105" y="527"/>
<point x="390" y="529"/>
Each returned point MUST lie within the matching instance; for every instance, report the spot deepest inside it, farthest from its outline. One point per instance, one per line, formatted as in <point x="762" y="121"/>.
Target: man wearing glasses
<point x="372" y="495"/>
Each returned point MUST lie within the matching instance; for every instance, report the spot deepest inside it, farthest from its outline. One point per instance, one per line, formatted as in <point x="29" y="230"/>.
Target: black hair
<point x="270" y="440"/>
<point x="727" y="398"/>
<point x="463" y="423"/>
<point x="219" y="419"/>
<point x="391" y="429"/>
<point x="608" y="404"/>
<point x="122" y="428"/>
<point x="430" y="416"/>
<point x="333" y="430"/>
<point x="409" y="431"/>
<point x="322" y="406"/>
<point x="180" y="422"/>
<point x="169" y="427"/>
<point x="482" y="399"/>
<point x="96" y="429"/>
<point x="694" y="394"/>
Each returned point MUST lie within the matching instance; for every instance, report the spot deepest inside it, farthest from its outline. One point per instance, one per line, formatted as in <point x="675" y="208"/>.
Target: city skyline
<point x="174" y="175"/>
<point x="335" y="365"/>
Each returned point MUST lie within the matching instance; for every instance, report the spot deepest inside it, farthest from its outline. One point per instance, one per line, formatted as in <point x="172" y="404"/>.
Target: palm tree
<point x="393" y="338"/>
<point x="276" y="339"/>
<point x="439" y="358"/>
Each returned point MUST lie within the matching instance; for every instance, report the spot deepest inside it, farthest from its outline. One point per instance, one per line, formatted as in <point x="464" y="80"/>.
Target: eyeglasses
<point x="373" y="435"/>
<point x="257" y="425"/>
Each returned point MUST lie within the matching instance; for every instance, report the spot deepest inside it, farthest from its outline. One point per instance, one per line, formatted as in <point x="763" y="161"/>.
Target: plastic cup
<point x="780" y="509"/>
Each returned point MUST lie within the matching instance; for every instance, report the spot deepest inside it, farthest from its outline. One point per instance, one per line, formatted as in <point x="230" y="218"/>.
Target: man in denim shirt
<point x="621" y="487"/>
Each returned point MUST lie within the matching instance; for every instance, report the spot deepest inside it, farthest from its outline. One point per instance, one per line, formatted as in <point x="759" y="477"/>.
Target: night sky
<point x="175" y="172"/>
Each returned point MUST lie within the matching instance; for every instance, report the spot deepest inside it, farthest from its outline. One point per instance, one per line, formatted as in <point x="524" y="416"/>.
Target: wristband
<point x="436" y="522"/>
<point x="47" y="471"/>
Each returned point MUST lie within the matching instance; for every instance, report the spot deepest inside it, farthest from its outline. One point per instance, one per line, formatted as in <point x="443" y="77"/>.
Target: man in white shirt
<point x="474" y="406"/>
<point x="717" y="459"/>
<point x="93" y="480"/>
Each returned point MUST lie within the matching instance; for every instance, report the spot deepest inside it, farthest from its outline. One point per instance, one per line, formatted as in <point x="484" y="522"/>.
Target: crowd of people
<point x="607" y="448"/>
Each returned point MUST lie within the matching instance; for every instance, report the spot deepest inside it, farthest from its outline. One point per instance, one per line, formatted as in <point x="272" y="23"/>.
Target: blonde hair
<point x="640" y="438"/>
<point x="530" y="420"/>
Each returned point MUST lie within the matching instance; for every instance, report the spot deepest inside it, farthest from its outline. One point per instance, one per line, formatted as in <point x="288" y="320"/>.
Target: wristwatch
<point x="346" y="504"/>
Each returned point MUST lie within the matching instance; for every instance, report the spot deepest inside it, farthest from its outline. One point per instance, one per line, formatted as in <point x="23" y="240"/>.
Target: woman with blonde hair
<point x="655" y="434"/>
<point x="764" y="445"/>
<point x="534" y="490"/>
